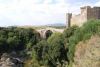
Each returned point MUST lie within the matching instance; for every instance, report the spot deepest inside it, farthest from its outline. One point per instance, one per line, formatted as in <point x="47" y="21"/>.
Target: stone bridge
<point x="45" y="33"/>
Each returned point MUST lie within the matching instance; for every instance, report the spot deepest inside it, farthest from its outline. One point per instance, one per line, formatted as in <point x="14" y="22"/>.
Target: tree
<point x="33" y="62"/>
<point x="18" y="38"/>
<point x="3" y="45"/>
<point x="14" y="43"/>
<point x="69" y="31"/>
<point x="42" y="52"/>
<point x="57" y="51"/>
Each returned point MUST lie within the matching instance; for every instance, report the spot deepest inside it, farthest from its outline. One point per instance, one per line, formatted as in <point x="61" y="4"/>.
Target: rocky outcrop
<point x="88" y="54"/>
<point x="10" y="61"/>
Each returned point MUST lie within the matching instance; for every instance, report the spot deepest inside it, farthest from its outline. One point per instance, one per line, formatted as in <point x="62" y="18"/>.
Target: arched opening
<point x="48" y="33"/>
<point x="39" y="36"/>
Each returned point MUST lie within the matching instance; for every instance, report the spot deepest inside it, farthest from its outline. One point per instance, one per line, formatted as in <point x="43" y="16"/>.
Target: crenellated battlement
<point x="87" y="13"/>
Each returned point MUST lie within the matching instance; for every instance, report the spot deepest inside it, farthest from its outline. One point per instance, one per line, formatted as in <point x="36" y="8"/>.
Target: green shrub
<point x="90" y="28"/>
<point x="69" y="31"/>
<point x="57" y="51"/>
<point x="17" y="39"/>
<point x="42" y="52"/>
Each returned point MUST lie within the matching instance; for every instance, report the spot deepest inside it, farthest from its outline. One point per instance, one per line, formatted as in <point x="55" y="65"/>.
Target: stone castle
<point x="87" y="13"/>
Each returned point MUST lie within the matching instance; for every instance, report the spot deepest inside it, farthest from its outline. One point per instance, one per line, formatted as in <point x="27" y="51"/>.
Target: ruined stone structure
<point x="87" y="13"/>
<point x="44" y="32"/>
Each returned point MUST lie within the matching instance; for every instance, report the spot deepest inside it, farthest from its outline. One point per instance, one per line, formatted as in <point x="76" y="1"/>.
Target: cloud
<point x="23" y="12"/>
<point x="35" y="12"/>
<point x="97" y="3"/>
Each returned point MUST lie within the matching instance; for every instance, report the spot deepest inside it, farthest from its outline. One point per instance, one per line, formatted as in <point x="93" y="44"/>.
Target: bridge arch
<point x="47" y="34"/>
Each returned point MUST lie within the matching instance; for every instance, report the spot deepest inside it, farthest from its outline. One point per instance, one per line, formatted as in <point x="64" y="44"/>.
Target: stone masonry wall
<point x="87" y="13"/>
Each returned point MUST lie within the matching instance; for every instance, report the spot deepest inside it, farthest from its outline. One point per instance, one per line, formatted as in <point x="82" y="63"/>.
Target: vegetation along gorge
<point x="75" y="47"/>
<point x="49" y="33"/>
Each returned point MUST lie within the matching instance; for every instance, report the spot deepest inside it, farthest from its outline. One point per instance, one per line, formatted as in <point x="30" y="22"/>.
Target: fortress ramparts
<point x="87" y="13"/>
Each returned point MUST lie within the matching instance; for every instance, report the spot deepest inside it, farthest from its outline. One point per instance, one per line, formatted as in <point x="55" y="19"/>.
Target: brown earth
<point x="87" y="53"/>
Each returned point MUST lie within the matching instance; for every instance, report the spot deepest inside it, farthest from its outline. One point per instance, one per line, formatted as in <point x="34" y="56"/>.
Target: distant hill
<point x="56" y="24"/>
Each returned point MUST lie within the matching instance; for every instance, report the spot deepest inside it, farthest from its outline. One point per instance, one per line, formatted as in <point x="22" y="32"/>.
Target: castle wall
<point x="93" y="13"/>
<point x="80" y="18"/>
<point x="87" y="13"/>
<point x="96" y="12"/>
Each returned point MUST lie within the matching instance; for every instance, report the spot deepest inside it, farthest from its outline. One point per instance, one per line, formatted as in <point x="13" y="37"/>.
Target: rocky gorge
<point x="8" y="60"/>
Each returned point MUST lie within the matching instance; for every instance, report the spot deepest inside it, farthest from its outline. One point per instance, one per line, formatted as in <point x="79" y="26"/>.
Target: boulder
<point x="9" y="61"/>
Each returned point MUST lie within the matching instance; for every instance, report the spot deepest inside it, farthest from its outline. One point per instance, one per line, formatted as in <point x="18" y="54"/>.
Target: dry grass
<point x="88" y="54"/>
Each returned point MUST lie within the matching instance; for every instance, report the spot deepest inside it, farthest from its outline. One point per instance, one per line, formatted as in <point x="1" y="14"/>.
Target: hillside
<point x="87" y="53"/>
<point x="83" y="34"/>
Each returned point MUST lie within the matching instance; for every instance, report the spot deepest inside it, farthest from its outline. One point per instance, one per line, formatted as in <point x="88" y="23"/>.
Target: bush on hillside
<point x="90" y="28"/>
<point x="69" y="31"/>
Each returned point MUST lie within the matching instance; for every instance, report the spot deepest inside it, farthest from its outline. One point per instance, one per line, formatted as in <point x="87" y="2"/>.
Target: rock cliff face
<point x="10" y="61"/>
<point x="87" y="53"/>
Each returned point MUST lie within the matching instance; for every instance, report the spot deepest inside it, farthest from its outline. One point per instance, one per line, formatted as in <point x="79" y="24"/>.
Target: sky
<point x="39" y="12"/>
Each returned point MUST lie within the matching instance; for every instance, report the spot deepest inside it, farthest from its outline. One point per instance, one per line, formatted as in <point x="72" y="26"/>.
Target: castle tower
<point x="90" y="13"/>
<point x="96" y="12"/>
<point x="87" y="13"/>
<point x="68" y="17"/>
